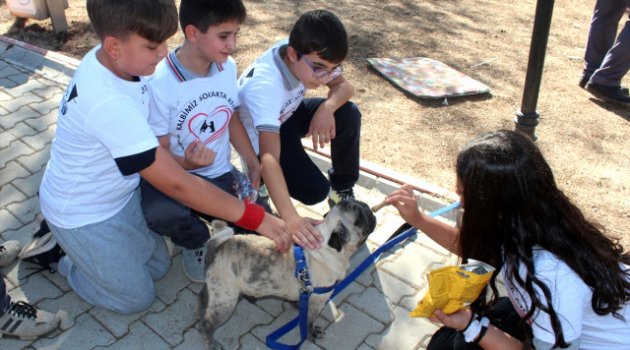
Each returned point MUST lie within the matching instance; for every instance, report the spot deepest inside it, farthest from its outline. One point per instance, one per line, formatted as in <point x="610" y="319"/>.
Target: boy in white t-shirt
<point x="89" y="193"/>
<point x="277" y="116"/>
<point x="194" y="102"/>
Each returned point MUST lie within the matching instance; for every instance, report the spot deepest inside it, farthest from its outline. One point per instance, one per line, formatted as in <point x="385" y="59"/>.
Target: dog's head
<point x="348" y="224"/>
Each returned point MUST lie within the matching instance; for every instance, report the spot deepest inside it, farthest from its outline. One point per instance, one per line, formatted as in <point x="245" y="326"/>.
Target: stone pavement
<point x="371" y="313"/>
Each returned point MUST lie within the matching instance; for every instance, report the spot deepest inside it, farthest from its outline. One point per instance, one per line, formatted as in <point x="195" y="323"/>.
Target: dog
<point x="250" y="266"/>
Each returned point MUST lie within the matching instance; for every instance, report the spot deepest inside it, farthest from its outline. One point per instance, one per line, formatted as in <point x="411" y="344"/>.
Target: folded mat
<point x="427" y="78"/>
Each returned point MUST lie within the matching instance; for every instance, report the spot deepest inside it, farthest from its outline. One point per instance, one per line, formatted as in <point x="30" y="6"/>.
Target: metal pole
<point x="527" y="117"/>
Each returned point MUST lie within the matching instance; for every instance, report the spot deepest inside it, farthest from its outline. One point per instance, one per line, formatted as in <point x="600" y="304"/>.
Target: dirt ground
<point x="585" y="140"/>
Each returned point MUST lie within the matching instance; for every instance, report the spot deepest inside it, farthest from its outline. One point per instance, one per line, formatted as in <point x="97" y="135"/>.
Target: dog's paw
<point x="318" y="332"/>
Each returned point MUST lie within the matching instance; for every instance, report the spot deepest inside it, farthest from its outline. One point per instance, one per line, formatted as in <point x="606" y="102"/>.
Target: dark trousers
<point x="5" y="299"/>
<point x="305" y="181"/>
<point x="607" y="57"/>
<point x="167" y="217"/>
<point x="502" y="316"/>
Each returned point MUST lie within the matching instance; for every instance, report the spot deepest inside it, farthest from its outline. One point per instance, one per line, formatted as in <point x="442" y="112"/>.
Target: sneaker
<point x="9" y="250"/>
<point x="337" y="196"/>
<point x="42" y="251"/>
<point x="25" y="321"/>
<point x="195" y="263"/>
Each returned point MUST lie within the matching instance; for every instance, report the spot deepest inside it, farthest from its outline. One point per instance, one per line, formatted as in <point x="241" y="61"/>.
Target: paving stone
<point x="22" y="129"/>
<point x="20" y="102"/>
<point x="273" y="306"/>
<point x="192" y="340"/>
<point x="247" y="317"/>
<point x="8" y="70"/>
<point x="373" y="303"/>
<point x="46" y="106"/>
<point x="10" y="117"/>
<point x="118" y="324"/>
<point x="9" y="222"/>
<point x="30" y="184"/>
<point x="7" y="83"/>
<point x="9" y="194"/>
<point x="33" y="290"/>
<point x="86" y="334"/>
<point x="25" y="211"/>
<point x="51" y="91"/>
<point x="36" y="161"/>
<point x="40" y="140"/>
<point x="409" y="265"/>
<point x="23" y="234"/>
<point x="350" y="329"/>
<point x="6" y="138"/>
<point x="69" y="302"/>
<point x="173" y="282"/>
<point x="391" y="287"/>
<point x="172" y="321"/>
<point x="26" y="88"/>
<point x="404" y="333"/>
<point x="42" y="121"/>
<point x="140" y="337"/>
<point x="16" y="343"/>
<point x="14" y="150"/>
<point x="269" y="325"/>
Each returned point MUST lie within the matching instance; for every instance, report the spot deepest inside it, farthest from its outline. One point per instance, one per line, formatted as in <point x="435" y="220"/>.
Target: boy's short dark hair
<point x="154" y="20"/>
<point x="205" y="13"/>
<point x="322" y="32"/>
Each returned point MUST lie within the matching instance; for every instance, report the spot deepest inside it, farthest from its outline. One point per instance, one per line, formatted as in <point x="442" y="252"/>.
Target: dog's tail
<point x="221" y="233"/>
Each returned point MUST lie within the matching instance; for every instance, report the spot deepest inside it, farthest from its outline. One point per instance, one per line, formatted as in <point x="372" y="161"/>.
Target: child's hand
<point x="407" y="204"/>
<point x="304" y="232"/>
<point x="275" y="229"/>
<point x="197" y="155"/>
<point x="457" y="320"/>
<point x="322" y="128"/>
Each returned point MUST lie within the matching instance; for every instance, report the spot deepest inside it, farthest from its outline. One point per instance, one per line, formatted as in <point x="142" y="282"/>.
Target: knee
<point x="130" y="302"/>
<point x="313" y="193"/>
<point x="348" y="116"/>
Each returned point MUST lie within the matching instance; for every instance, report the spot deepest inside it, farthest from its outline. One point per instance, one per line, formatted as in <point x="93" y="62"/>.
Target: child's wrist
<point x="252" y="217"/>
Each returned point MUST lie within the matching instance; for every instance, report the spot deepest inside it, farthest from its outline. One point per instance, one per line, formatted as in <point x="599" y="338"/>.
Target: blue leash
<point x="301" y="272"/>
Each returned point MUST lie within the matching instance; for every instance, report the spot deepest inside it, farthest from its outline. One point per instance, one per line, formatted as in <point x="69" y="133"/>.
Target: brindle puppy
<point x="250" y="265"/>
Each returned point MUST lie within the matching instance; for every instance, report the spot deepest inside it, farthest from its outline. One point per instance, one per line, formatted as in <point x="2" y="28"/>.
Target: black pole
<point x="527" y="117"/>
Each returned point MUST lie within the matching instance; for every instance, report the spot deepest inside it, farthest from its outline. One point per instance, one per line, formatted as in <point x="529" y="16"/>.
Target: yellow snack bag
<point x="452" y="288"/>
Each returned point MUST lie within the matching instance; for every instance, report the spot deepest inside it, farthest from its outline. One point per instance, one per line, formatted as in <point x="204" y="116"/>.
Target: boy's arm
<point x="322" y="128"/>
<point x="198" y="194"/>
<point x="303" y="229"/>
<point x="242" y="144"/>
<point x="195" y="155"/>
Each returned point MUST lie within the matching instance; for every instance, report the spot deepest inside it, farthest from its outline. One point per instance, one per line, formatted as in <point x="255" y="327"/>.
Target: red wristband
<point x="252" y="217"/>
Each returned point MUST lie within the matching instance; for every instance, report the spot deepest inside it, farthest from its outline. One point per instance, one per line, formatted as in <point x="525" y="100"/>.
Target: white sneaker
<point x="194" y="261"/>
<point x="9" y="251"/>
<point x="25" y="321"/>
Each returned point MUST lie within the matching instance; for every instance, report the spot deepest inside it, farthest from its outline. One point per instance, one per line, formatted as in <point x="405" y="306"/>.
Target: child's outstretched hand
<point x="458" y="320"/>
<point x="407" y="204"/>
<point x="197" y="155"/>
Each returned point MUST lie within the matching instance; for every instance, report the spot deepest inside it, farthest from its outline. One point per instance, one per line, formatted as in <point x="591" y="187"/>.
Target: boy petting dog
<point x="89" y="193"/>
<point x="277" y="116"/>
<point x="194" y="114"/>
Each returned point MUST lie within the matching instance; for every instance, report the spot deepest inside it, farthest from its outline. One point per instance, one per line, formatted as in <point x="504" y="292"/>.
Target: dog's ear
<point x="338" y="237"/>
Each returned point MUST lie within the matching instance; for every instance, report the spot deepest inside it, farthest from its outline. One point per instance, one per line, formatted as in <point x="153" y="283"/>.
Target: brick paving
<point x="371" y="313"/>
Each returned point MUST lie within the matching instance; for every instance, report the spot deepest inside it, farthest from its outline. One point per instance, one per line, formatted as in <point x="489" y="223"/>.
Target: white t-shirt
<point x="571" y="299"/>
<point x="101" y="117"/>
<point x="269" y="94"/>
<point x="187" y="108"/>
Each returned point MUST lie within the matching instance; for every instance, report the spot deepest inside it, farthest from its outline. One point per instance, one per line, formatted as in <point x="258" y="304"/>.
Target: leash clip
<point x="304" y="279"/>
